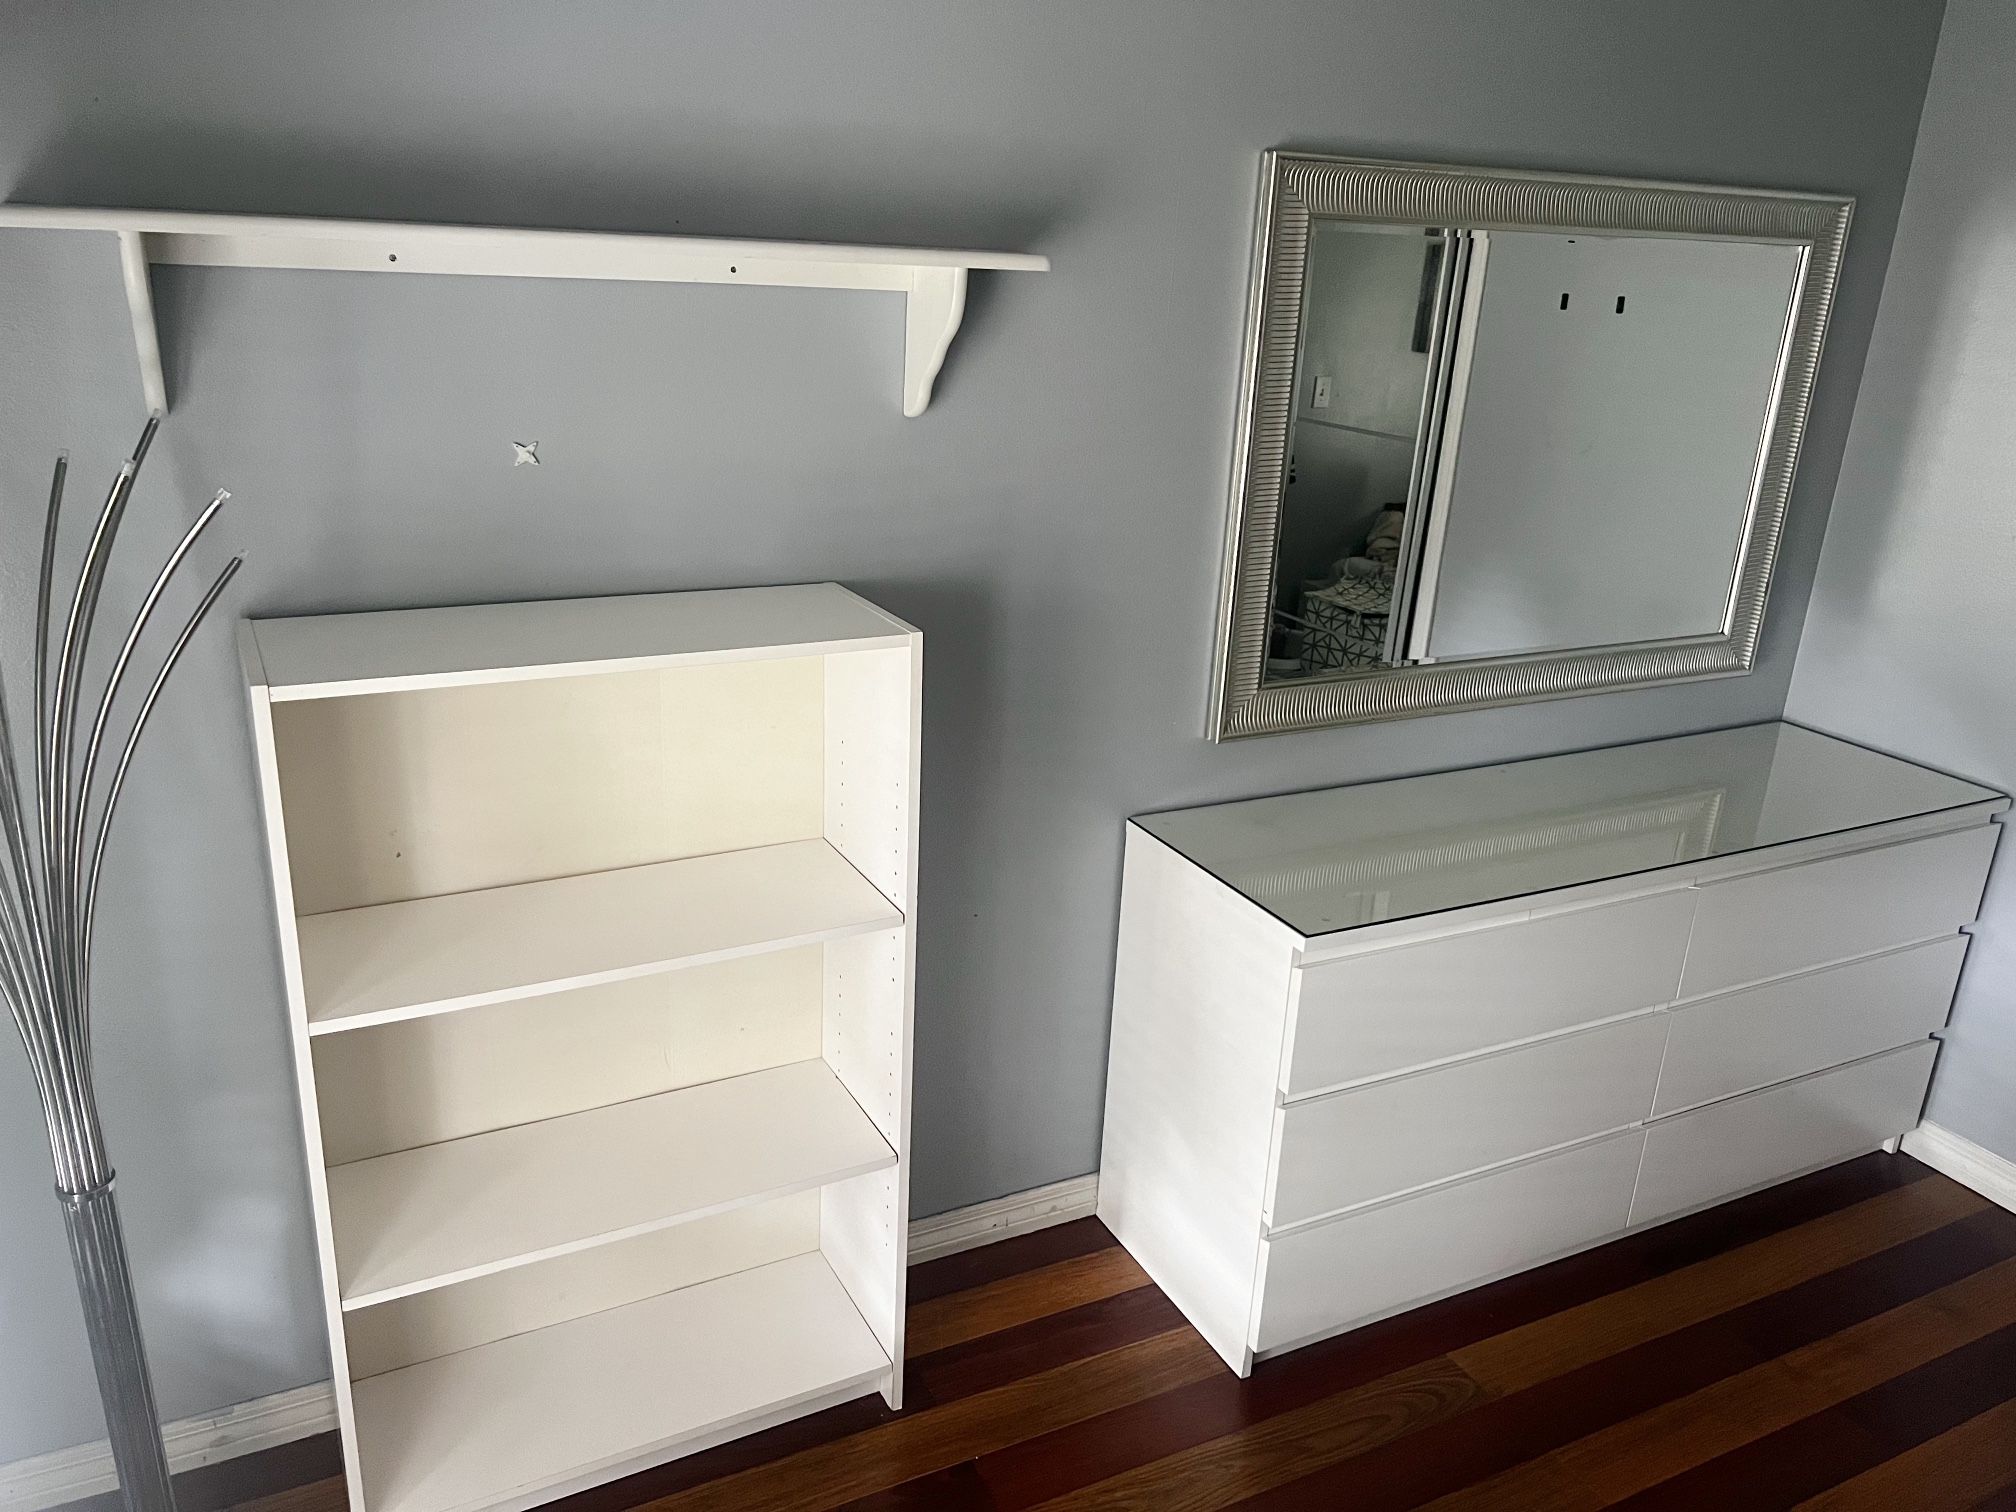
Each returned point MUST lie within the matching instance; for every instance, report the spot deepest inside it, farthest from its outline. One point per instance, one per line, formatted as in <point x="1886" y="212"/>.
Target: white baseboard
<point x="63" y="1475"/>
<point x="1003" y="1218"/>
<point x="1966" y="1162"/>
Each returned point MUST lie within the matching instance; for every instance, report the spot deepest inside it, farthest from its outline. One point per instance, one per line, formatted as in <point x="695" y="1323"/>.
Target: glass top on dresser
<point x="1341" y="858"/>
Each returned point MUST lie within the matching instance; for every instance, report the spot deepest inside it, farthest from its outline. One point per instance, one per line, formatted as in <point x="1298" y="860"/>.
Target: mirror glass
<point x="1506" y="435"/>
<point x="1371" y="303"/>
<point x="1515" y="442"/>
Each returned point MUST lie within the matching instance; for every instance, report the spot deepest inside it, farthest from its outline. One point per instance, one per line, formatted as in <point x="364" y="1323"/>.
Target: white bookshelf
<point x="596" y="925"/>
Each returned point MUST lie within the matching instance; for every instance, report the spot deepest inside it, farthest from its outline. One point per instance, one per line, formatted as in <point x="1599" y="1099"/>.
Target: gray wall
<point x="1053" y="522"/>
<point x="1908" y="645"/>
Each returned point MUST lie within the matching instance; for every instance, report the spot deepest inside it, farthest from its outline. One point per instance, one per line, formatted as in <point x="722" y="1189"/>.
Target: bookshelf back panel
<point x="450" y="1318"/>
<point x="870" y="717"/>
<point x="421" y="1081"/>
<point x="404" y="795"/>
<point x="861" y="1224"/>
<point x="862" y="1031"/>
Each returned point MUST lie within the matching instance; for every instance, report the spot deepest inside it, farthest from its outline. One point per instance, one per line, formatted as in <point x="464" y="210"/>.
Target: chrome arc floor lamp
<point x="57" y="804"/>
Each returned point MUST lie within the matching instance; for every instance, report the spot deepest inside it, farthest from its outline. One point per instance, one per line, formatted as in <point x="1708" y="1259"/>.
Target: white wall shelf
<point x="533" y="1191"/>
<point x="364" y="966"/>
<point x="532" y="1417"/>
<point x="595" y="922"/>
<point x="933" y="282"/>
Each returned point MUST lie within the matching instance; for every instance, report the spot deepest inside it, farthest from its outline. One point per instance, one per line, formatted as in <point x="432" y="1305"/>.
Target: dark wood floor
<point x="1847" y="1341"/>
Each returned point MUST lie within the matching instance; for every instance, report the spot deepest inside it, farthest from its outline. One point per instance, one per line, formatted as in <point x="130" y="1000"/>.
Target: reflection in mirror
<point x="1575" y="472"/>
<point x="1369" y="314"/>
<point x="1510" y="435"/>
<point x="1607" y="408"/>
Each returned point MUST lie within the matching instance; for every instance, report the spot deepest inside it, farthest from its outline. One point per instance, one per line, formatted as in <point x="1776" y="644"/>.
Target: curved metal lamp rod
<point x="55" y="830"/>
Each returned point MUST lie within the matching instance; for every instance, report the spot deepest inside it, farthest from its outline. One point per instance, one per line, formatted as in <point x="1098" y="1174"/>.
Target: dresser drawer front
<point x="1373" y="1141"/>
<point x="1750" y="929"/>
<point x="1382" y="1259"/>
<point x="1760" y="1035"/>
<point x="1389" y="1010"/>
<point x="1729" y="1147"/>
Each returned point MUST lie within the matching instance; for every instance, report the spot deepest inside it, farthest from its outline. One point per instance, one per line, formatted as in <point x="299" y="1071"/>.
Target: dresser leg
<point x="1894" y="1143"/>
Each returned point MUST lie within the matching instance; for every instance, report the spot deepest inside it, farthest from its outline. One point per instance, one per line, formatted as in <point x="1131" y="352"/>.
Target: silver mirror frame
<point x="1296" y="187"/>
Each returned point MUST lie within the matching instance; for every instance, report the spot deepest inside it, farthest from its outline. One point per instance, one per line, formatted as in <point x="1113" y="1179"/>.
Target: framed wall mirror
<point x="1506" y="436"/>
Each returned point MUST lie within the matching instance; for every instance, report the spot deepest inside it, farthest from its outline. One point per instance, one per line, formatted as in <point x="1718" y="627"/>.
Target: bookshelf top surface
<point x="344" y="655"/>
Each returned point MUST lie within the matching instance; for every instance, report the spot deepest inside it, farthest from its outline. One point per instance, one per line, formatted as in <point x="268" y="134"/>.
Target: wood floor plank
<point x="1508" y="1431"/>
<point x="1745" y="1357"/>
<point x="1952" y="1473"/>
<point x="1007" y="1257"/>
<point x="1035" y="1469"/>
<point x="996" y="1359"/>
<point x="1512" y="1429"/>
<point x="329" y="1494"/>
<point x="1025" y="1474"/>
<point x="940" y="1437"/>
<point x="1226" y="1470"/>
<point x="1896" y="1275"/>
<point x="786" y="1439"/>
<point x="1032" y="1471"/>
<point x="958" y="1489"/>
<point x="1668" y="1246"/>
<point x="1021" y="1298"/>
<point x="1800" y="1461"/>
<point x="1556" y="1344"/>
<point x="1941" y="1396"/>
<point x="1605" y="1467"/>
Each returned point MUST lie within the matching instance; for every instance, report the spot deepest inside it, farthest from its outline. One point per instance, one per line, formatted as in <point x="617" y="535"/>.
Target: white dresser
<point x="1374" y="1045"/>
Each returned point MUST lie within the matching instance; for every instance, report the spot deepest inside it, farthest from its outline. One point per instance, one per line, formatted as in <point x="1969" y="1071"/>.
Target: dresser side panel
<point x="1199" y="1011"/>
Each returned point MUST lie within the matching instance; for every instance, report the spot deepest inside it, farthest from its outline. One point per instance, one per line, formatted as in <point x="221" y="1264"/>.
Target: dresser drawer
<point x="1387" y="1010"/>
<point x="1770" y="924"/>
<point x="1760" y="1035"/>
<point x="1372" y="1141"/>
<point x="1729" y="1147"/>
<point x="1376" y="1261"/>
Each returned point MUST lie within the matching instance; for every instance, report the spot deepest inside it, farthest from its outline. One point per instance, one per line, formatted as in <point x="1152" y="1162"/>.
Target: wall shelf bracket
<point x="932" y="311"/>
<point x="140" y="306"/>
<point x="932" y="281"/>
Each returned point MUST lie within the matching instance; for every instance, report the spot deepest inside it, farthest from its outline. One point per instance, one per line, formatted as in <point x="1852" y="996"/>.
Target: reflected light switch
<point x="1322" y="399"/>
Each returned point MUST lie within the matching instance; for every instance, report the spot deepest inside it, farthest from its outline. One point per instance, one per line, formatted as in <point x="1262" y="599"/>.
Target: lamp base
<point x="105" y="1285"/>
